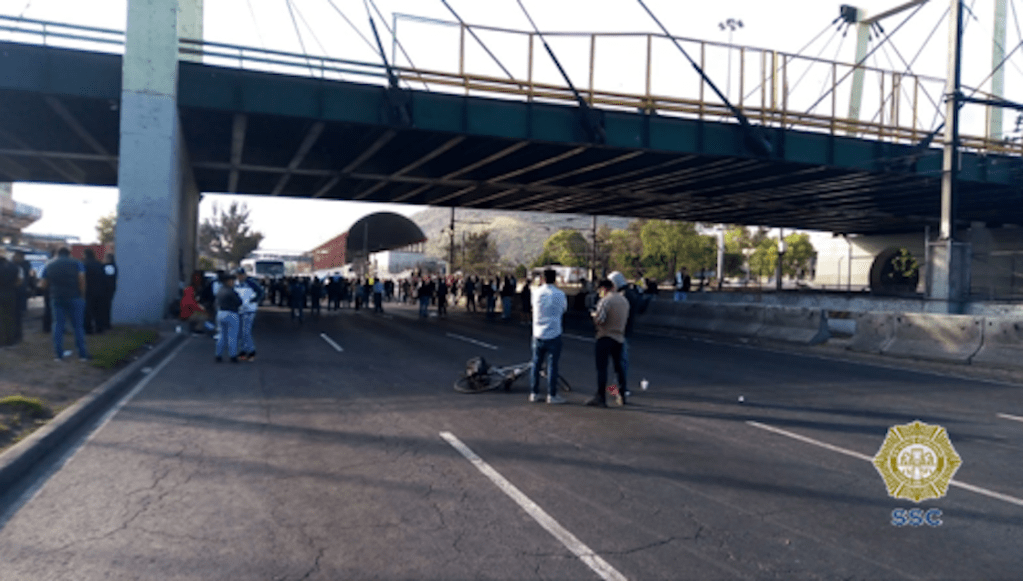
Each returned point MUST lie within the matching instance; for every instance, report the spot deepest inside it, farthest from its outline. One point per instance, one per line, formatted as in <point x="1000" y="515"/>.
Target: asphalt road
<point x="314" y="463"/>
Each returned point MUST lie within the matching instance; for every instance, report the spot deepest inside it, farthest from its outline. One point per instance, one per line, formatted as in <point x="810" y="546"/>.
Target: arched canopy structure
<point x="382" y="231"/>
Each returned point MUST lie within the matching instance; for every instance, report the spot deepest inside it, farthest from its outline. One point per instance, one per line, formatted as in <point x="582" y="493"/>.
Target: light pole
<point x="731" y="25"/>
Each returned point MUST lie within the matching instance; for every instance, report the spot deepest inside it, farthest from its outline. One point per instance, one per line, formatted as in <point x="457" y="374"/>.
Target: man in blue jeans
<point x="64" y="280"/>
<point x="549" y="306"/>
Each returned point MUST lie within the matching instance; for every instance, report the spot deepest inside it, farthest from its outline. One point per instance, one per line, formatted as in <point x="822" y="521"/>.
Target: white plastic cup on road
<point x="644" y="385"/>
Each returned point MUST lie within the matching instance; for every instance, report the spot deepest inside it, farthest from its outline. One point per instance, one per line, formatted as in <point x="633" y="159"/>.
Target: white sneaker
<point x="555" y="399"/>
<point x="533" y="398"/>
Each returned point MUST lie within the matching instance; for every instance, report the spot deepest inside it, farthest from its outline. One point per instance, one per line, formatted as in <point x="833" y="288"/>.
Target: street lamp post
<point x="731" y="25"/>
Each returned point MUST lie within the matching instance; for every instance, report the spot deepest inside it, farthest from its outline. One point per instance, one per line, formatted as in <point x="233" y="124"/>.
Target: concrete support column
<point x="159" y="201"/>
<point x="149" y="208"/>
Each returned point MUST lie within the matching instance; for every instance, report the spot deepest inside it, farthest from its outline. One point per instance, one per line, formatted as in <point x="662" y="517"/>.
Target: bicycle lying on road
<point x="479" y="376"/>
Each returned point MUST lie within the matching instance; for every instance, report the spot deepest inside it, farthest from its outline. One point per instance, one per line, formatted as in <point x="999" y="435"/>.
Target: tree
<point x="478" y="253"/>
<point x="764" y="258"/>
<point x="668" y="246"/>
<point x="799" y="256"/>
<point x="106" y="228"/>
<point x="565" y="247"/>
<point x="625" y="250"/>
<point x="227" y="236"/>
<point x="740" y="242"/>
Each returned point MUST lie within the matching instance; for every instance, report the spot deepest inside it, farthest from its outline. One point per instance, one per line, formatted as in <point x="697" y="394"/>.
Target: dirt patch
<point x="34" y="387"/>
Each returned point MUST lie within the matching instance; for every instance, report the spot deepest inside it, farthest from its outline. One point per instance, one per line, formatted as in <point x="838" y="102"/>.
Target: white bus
<point x="261" y="268"/>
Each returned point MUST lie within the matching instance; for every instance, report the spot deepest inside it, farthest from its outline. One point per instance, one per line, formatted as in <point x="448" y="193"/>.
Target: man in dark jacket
<point x="95" y="292"/>
<point x="110" y="273"/>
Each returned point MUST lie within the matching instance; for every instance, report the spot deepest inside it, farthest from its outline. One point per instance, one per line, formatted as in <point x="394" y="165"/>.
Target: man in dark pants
<point x="609" y="317"/>
<point x="95" y="292"/>
<point x="64" y="281"/>
<point x="25" y="287"/>
<point x="110" y="274"/>
<point x="10" y="322"/>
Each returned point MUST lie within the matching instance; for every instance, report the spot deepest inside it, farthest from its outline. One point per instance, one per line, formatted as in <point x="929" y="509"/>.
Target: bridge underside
<point x="260" y="133"/>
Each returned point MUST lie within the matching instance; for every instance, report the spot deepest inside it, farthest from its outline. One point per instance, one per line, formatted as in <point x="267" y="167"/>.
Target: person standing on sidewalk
<point x="549" y="306"/>
<point x="251" y="293"/>
<point x="64" y="280"/>
<point x="610" y="317"/>
<point x="228" y="303"/>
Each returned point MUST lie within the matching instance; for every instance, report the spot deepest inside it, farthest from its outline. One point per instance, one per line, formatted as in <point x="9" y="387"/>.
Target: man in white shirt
<point x="549" y="305"/>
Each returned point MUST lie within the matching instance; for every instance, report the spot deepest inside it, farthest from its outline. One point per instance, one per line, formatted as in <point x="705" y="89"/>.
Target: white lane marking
<point x="473" y="341"/>
<point x="331" y="342"/>
<point x="802" y="438"/>
<point x="956" y="483"/>
<point x="33" y="491"/>
<point x="578" y="337"/>
<point x="1010" y="417"/>
<point x="585" y="554"/>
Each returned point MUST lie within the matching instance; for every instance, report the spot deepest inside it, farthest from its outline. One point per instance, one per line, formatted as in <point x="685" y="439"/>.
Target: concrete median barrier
<point x="874" y="331"/>
<point x="794" y="325"/>
<point x="743" y="320"/>
<point x="951" y="338"/>
<point x="1003" y="343"/>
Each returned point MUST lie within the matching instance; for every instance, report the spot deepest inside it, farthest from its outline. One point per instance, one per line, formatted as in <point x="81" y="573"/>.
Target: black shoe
<point x="219" y="359"/>
<point x="597" y="402"/>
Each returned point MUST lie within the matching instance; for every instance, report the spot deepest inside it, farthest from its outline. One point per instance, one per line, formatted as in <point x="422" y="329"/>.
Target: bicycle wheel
<point x="466" y="384"/>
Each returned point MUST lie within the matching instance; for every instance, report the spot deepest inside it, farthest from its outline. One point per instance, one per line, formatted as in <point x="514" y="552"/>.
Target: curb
<point x="17" y="461"/>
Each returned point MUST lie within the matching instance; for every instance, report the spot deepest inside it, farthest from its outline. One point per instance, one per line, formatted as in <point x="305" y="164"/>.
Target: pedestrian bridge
<point x="264" y="122"/>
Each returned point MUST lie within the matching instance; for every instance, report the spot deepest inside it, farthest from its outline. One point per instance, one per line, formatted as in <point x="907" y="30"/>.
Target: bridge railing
<point x="625" y="71"/>
<point x="645" y="71"/>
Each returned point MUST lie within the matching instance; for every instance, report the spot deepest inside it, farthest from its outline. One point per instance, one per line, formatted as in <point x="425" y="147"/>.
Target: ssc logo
<point x="917" y="461"/>
<point x="916" y="517"/>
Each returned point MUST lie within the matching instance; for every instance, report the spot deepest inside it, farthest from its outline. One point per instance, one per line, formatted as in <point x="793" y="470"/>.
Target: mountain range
<point x="519" y="236"/>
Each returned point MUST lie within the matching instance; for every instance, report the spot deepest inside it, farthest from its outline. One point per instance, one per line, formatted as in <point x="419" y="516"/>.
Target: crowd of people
<point x="75" y="293"/>
<point x="227" y="305"/>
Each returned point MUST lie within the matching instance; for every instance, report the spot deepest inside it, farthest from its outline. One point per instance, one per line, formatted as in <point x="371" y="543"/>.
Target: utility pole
<point x="731" y="25"/>
<point x="451" y="248"/>
<point x="946" y="266"/>
<point x="994" y="131"/>
<point x="593" y="252"/>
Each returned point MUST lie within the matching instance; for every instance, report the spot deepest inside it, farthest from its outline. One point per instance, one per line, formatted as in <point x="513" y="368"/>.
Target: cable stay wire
<point x="298" y="33"/>
<point x="596" y="132"/>
<point x="755" y="140"/>
<point x="812" y="62"/>
<point x="255" y="24"/>
<point x="887" y="37"/>
<point x="387" y="27"/>
<point x="800" y="52"/>
<point x="323" y="49"/>
<point x="351" y="24"/>
<point x="824" y="84"/>
<point x="480" y="41"/>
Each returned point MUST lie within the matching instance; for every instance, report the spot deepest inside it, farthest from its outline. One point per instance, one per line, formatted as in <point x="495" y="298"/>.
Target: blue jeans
<point x="506" y="307"/>
<point x="247" y="344"/>
<point x="551" y="350"/>
<point x="62" y="309"/>
<point x="424" y="306"/>
<point x="228" y="323"/>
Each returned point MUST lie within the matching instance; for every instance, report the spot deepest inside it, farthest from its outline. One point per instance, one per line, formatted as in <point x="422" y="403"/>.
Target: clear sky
<point x="784" y="25"/>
